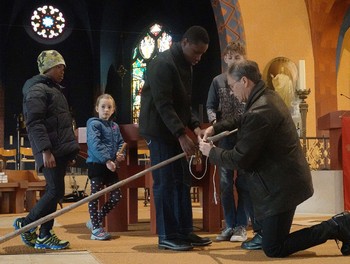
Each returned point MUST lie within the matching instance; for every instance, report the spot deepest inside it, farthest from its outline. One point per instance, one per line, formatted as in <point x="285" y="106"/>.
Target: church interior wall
<point x="281" y="29"/>
<point x="104" y="34"/>
<point x="343" y="77"/>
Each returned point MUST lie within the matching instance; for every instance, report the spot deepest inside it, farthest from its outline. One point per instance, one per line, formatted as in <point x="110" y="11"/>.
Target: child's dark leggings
<point x="100" y="176"/>
<point x="96" y="215"/>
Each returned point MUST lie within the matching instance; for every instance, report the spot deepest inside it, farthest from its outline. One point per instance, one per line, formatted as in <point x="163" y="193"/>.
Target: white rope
<point x="201" y="177"/>
<point x="211" y="140"/>
<point x="214" y="186"/>
<point x="190" y="168"/>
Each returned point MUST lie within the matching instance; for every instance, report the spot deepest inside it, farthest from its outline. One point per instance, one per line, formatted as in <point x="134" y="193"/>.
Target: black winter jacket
<point x="268" y="146"/>
<point x="48" y="120"/>
<point x="166" y="96"/>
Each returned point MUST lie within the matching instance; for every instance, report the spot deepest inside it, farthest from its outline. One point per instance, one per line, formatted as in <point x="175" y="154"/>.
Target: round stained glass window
<point x="48" y="22"/>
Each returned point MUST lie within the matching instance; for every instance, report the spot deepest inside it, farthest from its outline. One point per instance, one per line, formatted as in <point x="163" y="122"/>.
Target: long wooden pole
<point x="102" y="192"/>
<point x="88" y="199"/>
<point x="221" y="135"/>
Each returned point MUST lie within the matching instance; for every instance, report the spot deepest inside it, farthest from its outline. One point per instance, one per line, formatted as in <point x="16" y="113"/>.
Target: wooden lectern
<point x="333" y="123"/>
<point x="126" y="211"/>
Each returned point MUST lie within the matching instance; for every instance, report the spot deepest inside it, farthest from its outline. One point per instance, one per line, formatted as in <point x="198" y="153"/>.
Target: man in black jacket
<point x="268" y="147"/>
<point x="165" y="113"/>
<point x="51" y="136"/>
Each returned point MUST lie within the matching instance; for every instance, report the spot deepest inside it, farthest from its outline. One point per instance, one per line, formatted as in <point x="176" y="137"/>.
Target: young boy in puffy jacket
<point x="51" y="136"/>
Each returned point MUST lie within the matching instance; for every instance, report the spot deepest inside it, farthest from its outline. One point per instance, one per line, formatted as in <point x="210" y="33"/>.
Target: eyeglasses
<point x="233" y="84"/>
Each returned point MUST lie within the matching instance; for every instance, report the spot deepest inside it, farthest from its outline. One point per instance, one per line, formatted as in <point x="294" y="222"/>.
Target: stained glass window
<point x="48" y="22"/>
<point x="156" y="39"/>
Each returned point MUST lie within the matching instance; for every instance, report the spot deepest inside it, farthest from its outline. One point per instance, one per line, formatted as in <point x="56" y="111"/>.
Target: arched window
<point x="155" y="40"/>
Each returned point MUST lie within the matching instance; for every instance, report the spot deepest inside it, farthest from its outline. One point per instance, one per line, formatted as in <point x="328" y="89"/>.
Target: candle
<point x="301" y="80"/>
<point x="11" y="140"/>
<point x="22" y="141"/>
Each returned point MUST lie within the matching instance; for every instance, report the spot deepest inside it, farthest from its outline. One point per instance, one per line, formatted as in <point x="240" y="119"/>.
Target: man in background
<point x="222" y="105"/>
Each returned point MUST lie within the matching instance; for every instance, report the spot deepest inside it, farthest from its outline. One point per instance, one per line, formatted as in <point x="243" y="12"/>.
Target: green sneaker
<point x="51" y="242"/>
<point x="29" y="238"/>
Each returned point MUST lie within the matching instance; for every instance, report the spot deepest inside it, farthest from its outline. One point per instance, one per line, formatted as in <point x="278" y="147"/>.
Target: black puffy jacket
<point x="48" y="120"/>
<point x="268" y="147"/>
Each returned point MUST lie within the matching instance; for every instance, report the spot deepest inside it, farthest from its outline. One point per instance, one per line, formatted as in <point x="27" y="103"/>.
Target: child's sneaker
<point x="28" y="237"/>
<point x="51" y="242"/>
<point x="89" y="225"/>
<point x="100" y="234"/>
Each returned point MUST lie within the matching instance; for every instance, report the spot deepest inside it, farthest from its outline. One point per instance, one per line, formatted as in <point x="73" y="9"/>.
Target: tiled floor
<point x="51" y="258"/>
<point x="137" y="245"/>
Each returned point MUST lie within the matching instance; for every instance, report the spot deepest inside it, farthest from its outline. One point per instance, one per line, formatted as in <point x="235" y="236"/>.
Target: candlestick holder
<point x="303" y="108"/>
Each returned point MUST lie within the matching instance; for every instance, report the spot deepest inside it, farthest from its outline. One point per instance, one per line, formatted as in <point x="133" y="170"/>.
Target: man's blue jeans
<point x="171" y="190"/>
<point x="233" y="216"/>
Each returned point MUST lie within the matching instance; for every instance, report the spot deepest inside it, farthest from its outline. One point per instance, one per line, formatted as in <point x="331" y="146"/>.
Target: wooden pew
<point x="12" y="196"/>
<point x="25" y="196"/>
<point x="35" y="185"/>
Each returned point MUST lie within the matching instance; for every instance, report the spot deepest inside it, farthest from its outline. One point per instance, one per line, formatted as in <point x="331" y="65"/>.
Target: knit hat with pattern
<point x="48" y="59"/>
